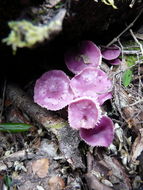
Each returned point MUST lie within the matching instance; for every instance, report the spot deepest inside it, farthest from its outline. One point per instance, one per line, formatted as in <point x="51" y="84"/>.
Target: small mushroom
<point x="86" y="54"/>
<point x="101" y="135"/>
<point x="115" y="61"/>
<point x="52" y="90"/>
<point x="111" y="53"/>
<point x="84" y="112"/>
<point x="92" y="82"/>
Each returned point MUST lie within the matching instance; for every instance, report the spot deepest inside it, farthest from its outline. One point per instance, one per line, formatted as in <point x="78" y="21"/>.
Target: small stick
<point x="131" y="52"/>
<point x="3" y="99"/>
<point x="122" y="49"/>
<point x="126" y="29"/>
<point x="139" y="76"/>
<point x="137" y="41"/>
<point x="135" y="103"/>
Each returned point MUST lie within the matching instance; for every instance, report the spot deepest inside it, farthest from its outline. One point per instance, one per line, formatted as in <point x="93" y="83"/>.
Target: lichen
<point x="25" y="34"/>
<point x="110" y="2"/>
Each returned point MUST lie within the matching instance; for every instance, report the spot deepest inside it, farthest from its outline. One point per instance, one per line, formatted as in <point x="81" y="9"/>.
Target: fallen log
<point x="68" y="138"/>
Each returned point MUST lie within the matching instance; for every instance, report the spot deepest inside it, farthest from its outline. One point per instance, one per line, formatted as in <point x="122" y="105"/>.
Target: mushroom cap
<point x="52" y="90"/>
<point x="103" y="97"/>
<point x="86" y="54"/>
<point x="91" y="82"/>
<point x="115" y="62"/>
<point x="111" y="53"/>
<point x="101" y="135"/>
<point x="84" y="112"/>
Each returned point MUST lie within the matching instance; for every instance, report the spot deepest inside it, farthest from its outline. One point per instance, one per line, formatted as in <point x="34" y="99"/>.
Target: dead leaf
<point x="133" y="116"/>
<point x="40" y="167"/>
<point x="94" y="183"/>
<point x="119" y="179"/>
<point x="137" y="147"/>
<point x="56" y="183"/>
<point x="107" y="170"/>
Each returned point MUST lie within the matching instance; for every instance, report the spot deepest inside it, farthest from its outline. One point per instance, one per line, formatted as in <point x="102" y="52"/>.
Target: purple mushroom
<point x="115" y="61"/>
<point x="101" y="135"/>
<point x="84" y="55"/>
<point x="84" y="113"/>
<point x="52" y="90"/>
<point x="92" y="82"/>
<point x="103" y="97"/>
<point x="111" y="53"/>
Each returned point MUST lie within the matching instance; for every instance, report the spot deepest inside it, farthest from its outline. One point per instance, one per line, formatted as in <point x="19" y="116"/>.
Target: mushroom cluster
<point x="111" y="55"/>
<point x="84" y="94"/>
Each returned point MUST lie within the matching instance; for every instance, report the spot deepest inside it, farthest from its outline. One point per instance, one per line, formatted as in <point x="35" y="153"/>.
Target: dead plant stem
<point x="137" y="41"/>
<point x="3" y="99"/>
<point x="126" y="29"/>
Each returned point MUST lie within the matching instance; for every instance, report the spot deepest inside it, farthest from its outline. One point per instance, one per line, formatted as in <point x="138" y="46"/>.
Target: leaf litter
<point x="57" y="159"/>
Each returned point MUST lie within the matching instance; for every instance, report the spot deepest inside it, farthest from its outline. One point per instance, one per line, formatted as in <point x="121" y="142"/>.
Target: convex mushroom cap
<point x="52" y="90"/>
<point x="101" y="135"/>
<point x="92" y="82"/>
<point x="84" y="112"/>
<point x="86" y="54"/>
<point x="111" y="54"/>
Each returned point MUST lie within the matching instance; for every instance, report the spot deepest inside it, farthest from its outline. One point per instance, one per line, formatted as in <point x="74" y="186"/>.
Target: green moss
<point x="25" y="34"/>
<point x="130" y="60"/>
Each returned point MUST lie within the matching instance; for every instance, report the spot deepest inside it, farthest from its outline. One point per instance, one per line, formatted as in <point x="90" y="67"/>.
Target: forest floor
<point x="44" y="158"/>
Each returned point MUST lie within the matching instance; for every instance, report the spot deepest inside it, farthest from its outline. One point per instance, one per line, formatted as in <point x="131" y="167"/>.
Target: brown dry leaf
<point x="40" y="167"/>
<point x="119" y="179"/>
<point x="137" y="147"/>
<point x="56" y="183"/>
<point x="133" y="116"/>
<point x="94" y="183"/>
<point x="108" y="171"/>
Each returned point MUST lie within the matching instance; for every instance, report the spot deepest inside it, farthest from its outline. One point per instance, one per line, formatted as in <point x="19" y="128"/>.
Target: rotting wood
<point x="68" y="138"/>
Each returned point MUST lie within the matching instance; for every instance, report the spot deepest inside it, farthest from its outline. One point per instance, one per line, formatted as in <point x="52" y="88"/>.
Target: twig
<point x="122" y="49"/>
<point x="131" y="52"/>
<point x="139" y="76"/>
<point x="135" y="103"/>
<point x="3" y="100"/>
<point x="126" y="29"/>
<point x="137" y="41"/>
<point x="139" y="61"/>
<point x="132" y="3"/>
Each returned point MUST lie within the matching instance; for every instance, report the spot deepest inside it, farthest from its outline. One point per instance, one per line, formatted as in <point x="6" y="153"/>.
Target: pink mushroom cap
<point x="111" y="53"/>
<point x="91" y="82"/>
<point x="115" y="62"/>
<point x="52" y="90"/>
<point x="101" y="135"/>
<point x="84" y="113"/>
<point x="103" y="97"/>
<point x="84" y="55"/>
